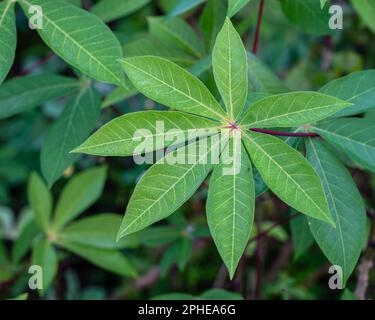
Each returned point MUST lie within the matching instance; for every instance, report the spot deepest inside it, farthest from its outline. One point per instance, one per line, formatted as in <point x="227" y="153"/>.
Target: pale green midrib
<point x="79" y="149"/>
<point x="187" y="44"/>
<point x="281" y="168"/>
<point x="333" y="201"/>
<point x="234" y="209"/>
<point x="179" y="91"/>
<point x="6" y="9"/>
<point x="77" y="44"/>
<point x="257" y="122"/>
<point x="230" y="73"/>
<point x="364" y="145"/>
<point x="65" y="136"/>
<point x="124" y="232"/>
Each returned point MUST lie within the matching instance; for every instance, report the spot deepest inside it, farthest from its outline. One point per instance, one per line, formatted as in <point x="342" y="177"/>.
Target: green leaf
<point x="357" y="88"/>
<point x="109" y="10"/>
<point x="366" y="10"/>
<point x="291" y="110"/>
<point x="80" y="38"/>
<point x="184" y="6"/>
<point x="211" y="21"/>
<point x="288" y="174"/>
<point x="44" y="255"/>
<point x="156" y="236"/>
<point x="108" y="259"/>
<point x="230" y="204"/>
<point x="79" y="194"/>
<point x="236" y="5"/>
<point x="175" y="31"/>
<point x="155" y="199"/>
<point x="8" y="37"/>
<point x="230" y="69"/>
<point x="98" y="231"/>
<point x="24" y="93"/>
<point x="308" y="16"/>
<point x="24" y="240"/>
<point x="262" y="78"/>
<point x="137" y="132"/>
<point x="353" y="136"/>
<point x="179" y="253"/>
<point x="172" y="86"/>
<point x="342" y="245"/>
<point x="301" y="235"/>
<point x="322" y="3"/>
<point x="72" y="128"/>
<point x="120" y="94"/>
<point x="40" y="200"/>
<point x="150" y="45"/>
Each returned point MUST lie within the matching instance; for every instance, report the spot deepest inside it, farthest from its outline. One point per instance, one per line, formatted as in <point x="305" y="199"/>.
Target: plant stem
<point x="286" y="134"/>
<point x="257" y="30"/>
<point x="37" y="64"/>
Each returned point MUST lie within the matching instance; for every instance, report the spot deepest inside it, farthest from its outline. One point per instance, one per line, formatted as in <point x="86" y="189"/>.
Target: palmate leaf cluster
<point x="168" y="66"/>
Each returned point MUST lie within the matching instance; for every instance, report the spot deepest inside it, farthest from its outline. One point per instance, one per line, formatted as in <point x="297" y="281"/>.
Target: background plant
<point x="77" y="71"/>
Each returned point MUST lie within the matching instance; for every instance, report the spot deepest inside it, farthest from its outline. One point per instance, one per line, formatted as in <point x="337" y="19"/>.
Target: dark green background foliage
<point x="303" y="200"/>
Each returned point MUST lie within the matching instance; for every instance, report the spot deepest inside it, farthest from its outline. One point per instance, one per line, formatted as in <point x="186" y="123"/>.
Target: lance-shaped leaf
<point x="357" y="88"/>
<point x="40" y="200"/>
<point x="172" y="86"/>
<point x="183" y="6"/>
<point x="261" y="78"/>
<point x="301" y="235"/>
<point x="99" y="231"/>
<point x="8" y="37"/>
<point x="70" y="130"/>
<point x="230" y="204"/>
<point x="308" y="16"/>
<point x="342" y="245"/>
<point x="24" y="93"/>
<point x="236" y="5"/>
<point x="230" y="69"/>
<point x="288" y="174"/>
<point x="366" y="10"/>
<point x="109" y="10"/>
<point x="145" y="131"/>
<point x="291" y="110"/>
<point x="108" y="259"/>
<point x="354" y="136"/>
<point x="168" y="184"/>
<point x="80" y="193"/>
<point x="79" y="37"/>
<point x="44" y="255"/>
<point x="175" y="31"/>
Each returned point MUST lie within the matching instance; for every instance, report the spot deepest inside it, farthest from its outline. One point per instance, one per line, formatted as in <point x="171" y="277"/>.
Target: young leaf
<point x="175" y="31"/>
<point x="44" y="255"/>
<point x="357" y="88"/>
<point x="24" y="93"/>
<point x="262" y="79"/>
<point x="211" y="21"/>
<point x="172" y="86"/>
<point x="8" y="37"/>
<point x="230" y="69"/>
<point x="40" y="200"/>
<point x="366" y="10"/>
<point x="354" y="136"/>
<point x="70" y="130"/>
<point x="291" y="110"/>
<point x="109" y="10"/>
<point x="111" y="260"/>
<point x="80" y="38"/>
<point x="79" y="194"/>
<point x="308" y="16"/>
<point x="342" y="245"/>
<point x="155" y="199"/>
<point x="236" y="5"/>
<point x="183" y="6"/>
<point x="230" y="205"/>
<point x="288" y="174"/>
<point x="301" y="235"/>
<point x="122" y="136"/>
<point x="98" y="231"/>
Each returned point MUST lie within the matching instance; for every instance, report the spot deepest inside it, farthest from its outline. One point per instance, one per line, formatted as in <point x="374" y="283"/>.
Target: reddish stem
<point x="257" y="30"/>
<point x="37" y="64"/>
<point x="286" y="134"/>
